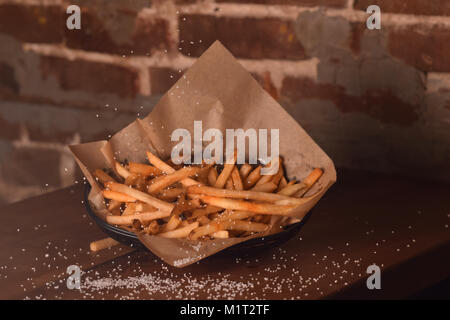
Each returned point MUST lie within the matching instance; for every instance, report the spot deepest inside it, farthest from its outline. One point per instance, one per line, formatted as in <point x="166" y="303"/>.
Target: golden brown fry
<point x="234" y="215"/>
<point x="221" y="234"/>
<point x="140" y="183"/>
<point x="172" y="224"/>
<point x="144" y="197"/>
<point x="243" y="194"/>
<point x="131" y="179"/>
<point x="263" y="208"/>
<point x="205" y="211"/>
<point x="114" y="204"/>
<point x="292" y="189"/>
<point x="102" y="176"/>
<point x="180" y="232"/>
<point x="309" y="181"/>
<point x="184" y="223"/>
<point x="170" y="194"/>
<point x="290" y="183"/>
<point x="280" y="174"/>
<point x="244" y="171"/>
<point x="103" y="244"/>
<point x="121" y="171"/>
<point x="283" y="183"/>
<point x="118" y="196"/>
<point x="226" y="172"/>
<point x="252" y="178"/>
<point x="203" y="174"/>
<point x="212" y="176"/>
<point x="142" y="217"/>
<point x="203" y="220"/>
<point x="165" y="181"/>
<point x="205" y="230"/>
<point x="130" y="209"/>
<point x="164" y="167"/>
<point x="237" y="182"/>
<point x="143" y="169"/>
<point x="266" y="187"/>
<point x="229" y="184"/>
<point x="144" y="207"/>
<point x="264" y="179"/>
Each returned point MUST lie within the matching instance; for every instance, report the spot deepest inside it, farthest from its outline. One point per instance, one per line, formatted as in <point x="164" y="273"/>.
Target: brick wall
<point x="373" y="99"/>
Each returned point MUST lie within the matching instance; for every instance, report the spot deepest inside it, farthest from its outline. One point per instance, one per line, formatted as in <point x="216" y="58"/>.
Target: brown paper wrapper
<point x="221" y="93"/>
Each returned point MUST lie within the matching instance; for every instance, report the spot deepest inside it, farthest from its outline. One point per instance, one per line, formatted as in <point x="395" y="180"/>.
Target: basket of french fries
<point x="183" y="210"/>
<point x="197" y="202"/>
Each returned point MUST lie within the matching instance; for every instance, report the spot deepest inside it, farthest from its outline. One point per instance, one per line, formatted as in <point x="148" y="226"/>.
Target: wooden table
<point x="399" y="224"/>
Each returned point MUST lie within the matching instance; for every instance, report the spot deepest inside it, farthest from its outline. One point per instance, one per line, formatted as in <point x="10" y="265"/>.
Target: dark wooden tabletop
<point x="399" y="224"/>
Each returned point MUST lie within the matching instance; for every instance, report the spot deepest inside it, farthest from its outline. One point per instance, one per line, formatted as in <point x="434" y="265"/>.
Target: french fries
<point x="142" y="217"/>
<point x="236" y="177"/>
<point x="181" y="232"/>
<point x="122" y="171"/>
<point x="221" y="234"/>
<point x="102" y="176"/>
<point x="244" y="171"/>
<point x="310" y="181"/>
<point x="172" y="224"/>
<point x="226" y="172"/>
<point x="199" y="202"/>
<point x="139" y="195"/>
<point x="143" y="169"/>
<point x="212" y="176"/>
<point x="265" y="187"/>
<point x="121" y="197"/>
<point x="170" y="194"/>
<point x="243" y="194"/>
<point x="164" y="167"/>
<point x="103" y="244"/>
<point x="263" y="208"/>
<point x="252" y="178"/>
<point x="165" y="181"/>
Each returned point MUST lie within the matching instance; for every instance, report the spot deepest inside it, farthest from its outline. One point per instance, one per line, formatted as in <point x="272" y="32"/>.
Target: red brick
<point x="380" y="104"/>
<point x="426" y="48"/>
<point x="49" y="123"/>
<point x="163" y="78"/>
<point x="90" y="76"/>
<point x="9" y="130"/>
<point x="357" y="32"/>
<point x="120" y="32"/>
<point x="265" y="81"/>
<point x="251" y="38"/>
<point x="30" y="166"/>
<point x="303" y="3"/>
<point x="33" y="23"/>
<point x="8" y="82"/>
<point x="419" y="7"/>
